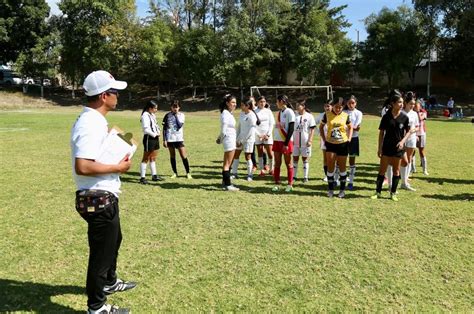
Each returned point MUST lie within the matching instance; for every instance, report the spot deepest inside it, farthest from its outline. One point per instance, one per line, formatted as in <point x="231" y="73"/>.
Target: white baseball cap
<point x="99" y="81"/>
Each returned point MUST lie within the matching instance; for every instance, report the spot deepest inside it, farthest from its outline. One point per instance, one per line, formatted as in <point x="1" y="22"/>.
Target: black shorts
<point x="354" y="147"/>
<point x="150" y="143"/>
<point x="392" y="152"/>
<point x="339" y="149"/>
<point x="175" y="144"/>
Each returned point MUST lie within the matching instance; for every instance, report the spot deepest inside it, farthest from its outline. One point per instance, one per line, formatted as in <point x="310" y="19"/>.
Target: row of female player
<point x="290" y="137"/>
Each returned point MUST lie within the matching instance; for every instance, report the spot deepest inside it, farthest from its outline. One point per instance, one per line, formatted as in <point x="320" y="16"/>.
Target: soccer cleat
<point x="305" y="180"/>
<point x="156" y="177"/>
<point x="249" y="178"/>
<point x="262" y="173"/>
<point x="425" y="172"/>
<point x="288" y="188"/>
<point x="143" y="181"/>
<point x="330" y="193"/>
<point x="408" y="187"/>
<point x="393" y="197"/>
<point x="189" y="176"/>
<point x="341" y="194"/>
<point x="174" y="176"/>
<point x="295" y="178"/>
<point x="234" y="176"/>
<point x="119" y="286"/>
<point x="376" y="196"/>
<point x="232" y="188"/>
<point x="350" y="186"/>
<point x="325" y="179"/>
<point x="109" y="309"/>
<point x="275" y="189"/>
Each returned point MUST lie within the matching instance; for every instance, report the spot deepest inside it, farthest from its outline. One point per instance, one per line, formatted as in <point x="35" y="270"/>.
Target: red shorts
<point x="278" y="147"/>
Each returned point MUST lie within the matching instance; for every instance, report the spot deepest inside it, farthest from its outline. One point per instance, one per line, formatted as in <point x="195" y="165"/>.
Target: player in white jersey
<point x="246" y="132"/>
<point x="264" y="137"/>
<point x="356" y="119"/>
<point x="322" y="144"/>
<point x="283" y="143"/>
<point x="421" y="134"/>
<point x="228" y="138"/>
<point x="173" y="137"/>
<point x="151" y="141"/>
<point x="303" y="138"/>
<point x="410" y="144"/>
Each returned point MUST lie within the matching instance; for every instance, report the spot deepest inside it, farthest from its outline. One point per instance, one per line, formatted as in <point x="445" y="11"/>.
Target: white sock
<point x="389" y="175"/>
<point x="336" y="174"/>
<point x="306" y="169"/>
<point x="295" y="170"/>
<point x="235" y="166"/>
<point x="352" y="172"/>
<point x="249" y="167"/>
<point x="413" y="163"/>
<point x="403" y="175"/>
<point x="143" y="169"/>
<point x="423" y="164"/>
<point x="260" y="163"/>
<point x="153" y="168"/>
<point x="270" y="162"/>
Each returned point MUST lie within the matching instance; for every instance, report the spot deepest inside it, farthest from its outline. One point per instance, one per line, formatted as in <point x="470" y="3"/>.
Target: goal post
<point x="255" y="90"/>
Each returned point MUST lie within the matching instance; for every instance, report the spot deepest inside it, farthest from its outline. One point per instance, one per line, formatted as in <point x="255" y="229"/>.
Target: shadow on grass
<point x="16" y="296"/>
<point x="442" y="181"/>
<point x="455" y="197"/>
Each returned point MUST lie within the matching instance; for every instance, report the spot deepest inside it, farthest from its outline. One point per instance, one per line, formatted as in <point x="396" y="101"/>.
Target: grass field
<point x="193" y="247"/>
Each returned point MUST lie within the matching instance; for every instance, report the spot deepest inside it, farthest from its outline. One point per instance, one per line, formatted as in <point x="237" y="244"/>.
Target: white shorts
<point x="421" y="141"/>
<point x="302" y="151"/>
<point x="248" y="147"/>
<point x="411" y="142"/>
<point x="229" y="143"/>
<point x="268" y="141"/>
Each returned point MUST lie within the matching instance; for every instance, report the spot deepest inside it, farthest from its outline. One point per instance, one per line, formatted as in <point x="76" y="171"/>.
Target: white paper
<point x="114" y="149"/>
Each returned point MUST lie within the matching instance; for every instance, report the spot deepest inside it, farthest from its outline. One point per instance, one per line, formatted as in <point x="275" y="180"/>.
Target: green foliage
<point x="396" y="43"/>
<point x="22" y="24"/>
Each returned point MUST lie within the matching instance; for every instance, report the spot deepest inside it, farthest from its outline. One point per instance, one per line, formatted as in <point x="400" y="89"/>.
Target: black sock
<point x="331" y="183"/>
<point x="264" y="158"/>
<point x="379" y="181"/>
<point x="254" y="161"/>
<point x="395" y="180"/>
<point x="226" y="177"/>
<point x="342" y="181"/>
<point x="325" y="170"/>
<point x="186" y="164"/>
<point x="173" y="165"/>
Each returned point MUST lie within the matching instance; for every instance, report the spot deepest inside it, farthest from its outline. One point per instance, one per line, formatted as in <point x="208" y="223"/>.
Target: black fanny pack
<point x="93" y="201"/>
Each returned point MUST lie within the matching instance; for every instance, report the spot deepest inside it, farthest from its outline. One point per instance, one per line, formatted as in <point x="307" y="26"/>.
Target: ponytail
<point x="285" y="99"/>
<point x="249" y="103"/>
<point x="223" y="104"/>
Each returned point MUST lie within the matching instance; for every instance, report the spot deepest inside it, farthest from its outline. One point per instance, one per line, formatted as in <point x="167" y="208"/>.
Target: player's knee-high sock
<point x="305" y="169"/>
<point x="379" y="183"/>
<point x="153" y="168"/>
<point x="403" y="175"/>
<point x="389" y="175"/>
<point x="235" y="166"/>
<point x="276" y="174"/>
<point x="295" y="170"/>
<point x="173" y="165"/>
<point x="186" y="164"/>
<point x="143" y="169"/>
<point x="290" y="175"/>
<point x="331" y="181"/>
<point x="260" y="163"/>
<point x="352" y="172"/>
<point x="342" y="180"/>
<point x="395" y="180"/>
<point x="249" y="168"/>
<point x="226" y="177"/>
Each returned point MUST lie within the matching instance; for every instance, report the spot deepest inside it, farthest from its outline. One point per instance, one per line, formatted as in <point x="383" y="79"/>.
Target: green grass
<point x="193" y="247"/>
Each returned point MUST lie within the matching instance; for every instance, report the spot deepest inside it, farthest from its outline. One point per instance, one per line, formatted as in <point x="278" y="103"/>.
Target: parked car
<point x="8" y="78"/>
<point x="28" y="80"/>
<point x="46" y="82"/>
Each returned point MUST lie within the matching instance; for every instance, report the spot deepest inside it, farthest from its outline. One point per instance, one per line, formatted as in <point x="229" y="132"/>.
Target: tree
<point x="22" y="24"/>
<point x="394" y="45"/>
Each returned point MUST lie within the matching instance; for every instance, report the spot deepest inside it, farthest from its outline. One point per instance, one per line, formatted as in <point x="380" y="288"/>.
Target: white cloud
<point x="53" y="4"/>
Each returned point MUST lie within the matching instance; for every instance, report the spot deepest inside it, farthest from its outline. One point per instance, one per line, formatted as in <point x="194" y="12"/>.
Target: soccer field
<point x="193" y="247"/>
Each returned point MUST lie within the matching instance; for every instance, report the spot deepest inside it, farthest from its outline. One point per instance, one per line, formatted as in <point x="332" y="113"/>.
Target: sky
<point x="355" y="13"/>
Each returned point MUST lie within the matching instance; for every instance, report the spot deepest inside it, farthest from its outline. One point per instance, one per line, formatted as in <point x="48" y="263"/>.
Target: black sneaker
<point x="156" y="178"/>
<point x="143" y="181"/>
<point x="109" y="309"/>
<point x="119" y="286"/>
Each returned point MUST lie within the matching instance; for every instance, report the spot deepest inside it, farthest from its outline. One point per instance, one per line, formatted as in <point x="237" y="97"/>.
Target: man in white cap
<point x="98" y="187"/>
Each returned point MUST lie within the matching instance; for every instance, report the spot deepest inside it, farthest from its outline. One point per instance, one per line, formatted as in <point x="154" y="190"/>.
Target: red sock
<point x="276" y="174"/>
<point x="290" y="172"/>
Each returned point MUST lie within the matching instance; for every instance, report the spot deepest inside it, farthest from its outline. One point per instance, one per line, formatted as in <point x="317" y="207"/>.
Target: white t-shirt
<point x="247" y="127"/>
<point x="227" y="125"/>
<point x="356" y="120"/>
<point x="450" y="103"/>
<point x="149" y="125"/>
<point x="287" y="116"/>
<point x="413" y="122"/>
<point x="87" y="135"/>
<point x="267" y="121"/>
<point x="303" y="125"/>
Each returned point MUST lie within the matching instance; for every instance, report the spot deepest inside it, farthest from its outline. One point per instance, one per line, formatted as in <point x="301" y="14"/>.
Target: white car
<point x="8" y="78"/>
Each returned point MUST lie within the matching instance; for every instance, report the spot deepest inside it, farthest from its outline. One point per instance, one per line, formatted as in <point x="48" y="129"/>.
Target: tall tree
<point x="22" y="24"/>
